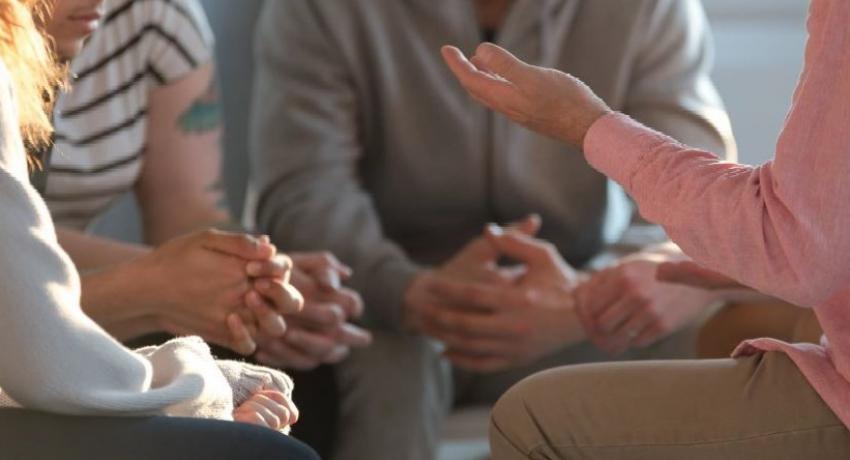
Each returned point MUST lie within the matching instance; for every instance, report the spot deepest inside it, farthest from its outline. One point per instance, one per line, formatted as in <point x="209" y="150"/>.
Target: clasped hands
<point x="236" y="291"/>
<point x="492" y="317"/>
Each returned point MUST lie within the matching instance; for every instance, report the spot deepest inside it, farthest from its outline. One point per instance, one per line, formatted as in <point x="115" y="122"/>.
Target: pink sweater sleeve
<point x="772" y="227"/>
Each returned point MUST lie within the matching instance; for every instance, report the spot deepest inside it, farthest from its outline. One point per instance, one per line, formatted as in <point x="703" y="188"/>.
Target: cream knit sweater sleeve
<point x="52" y="356"/>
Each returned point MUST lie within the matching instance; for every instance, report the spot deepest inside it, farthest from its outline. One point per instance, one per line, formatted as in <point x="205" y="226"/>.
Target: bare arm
<point x="179" y="189"/>
<point x="92" y="252"/>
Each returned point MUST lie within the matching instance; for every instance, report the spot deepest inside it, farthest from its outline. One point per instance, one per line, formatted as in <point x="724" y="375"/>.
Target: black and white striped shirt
<point x="101" y="122"/>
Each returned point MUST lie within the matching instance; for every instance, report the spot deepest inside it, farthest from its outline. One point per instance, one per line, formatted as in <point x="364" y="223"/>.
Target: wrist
<point x="413" y="296"/>
<point x="587" y="122"/>
<point x="115" y="299"/>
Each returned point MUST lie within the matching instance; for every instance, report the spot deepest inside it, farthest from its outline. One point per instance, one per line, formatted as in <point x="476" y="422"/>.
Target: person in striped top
<point x="116" y="402"/>
<point x="142" y="115"/>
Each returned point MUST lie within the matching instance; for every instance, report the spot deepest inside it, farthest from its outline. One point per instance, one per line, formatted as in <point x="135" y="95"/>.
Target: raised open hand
<point x="544" y="100"/>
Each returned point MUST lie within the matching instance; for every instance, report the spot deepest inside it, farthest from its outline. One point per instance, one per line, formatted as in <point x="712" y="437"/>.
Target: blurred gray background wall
<point x="759" y="53"/>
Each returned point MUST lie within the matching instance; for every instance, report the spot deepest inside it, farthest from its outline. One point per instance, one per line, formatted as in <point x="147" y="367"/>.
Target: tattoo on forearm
<point x="204" y="115"/>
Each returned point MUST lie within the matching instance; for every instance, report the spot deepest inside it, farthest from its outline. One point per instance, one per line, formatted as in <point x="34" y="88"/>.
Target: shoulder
<point x="181" y="20"/>
<point x="171" y="37"/>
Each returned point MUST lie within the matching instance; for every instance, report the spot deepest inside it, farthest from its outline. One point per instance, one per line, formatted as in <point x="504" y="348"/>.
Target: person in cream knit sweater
<point x="55" y="359"/>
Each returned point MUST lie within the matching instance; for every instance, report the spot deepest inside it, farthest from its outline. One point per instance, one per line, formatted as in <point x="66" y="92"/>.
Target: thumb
<point x="524" y="248"/>
<point x="497" y="60"/>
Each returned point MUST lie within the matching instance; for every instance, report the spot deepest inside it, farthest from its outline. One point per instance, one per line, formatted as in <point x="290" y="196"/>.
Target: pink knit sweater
<point x="782" y="228"/>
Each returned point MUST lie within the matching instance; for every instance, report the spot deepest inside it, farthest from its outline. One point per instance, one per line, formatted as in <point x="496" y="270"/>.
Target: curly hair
<point x="35" y="74"/>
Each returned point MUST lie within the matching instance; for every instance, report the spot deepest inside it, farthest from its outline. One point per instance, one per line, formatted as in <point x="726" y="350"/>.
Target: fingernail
<point x="265" y="239"/>
<point x="334" y="282"/>
<point x="494" y="229"/>
<point x="254" y="268"/>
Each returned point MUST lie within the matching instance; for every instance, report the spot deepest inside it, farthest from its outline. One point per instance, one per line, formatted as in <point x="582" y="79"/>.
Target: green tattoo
<point x="205" y="113"/>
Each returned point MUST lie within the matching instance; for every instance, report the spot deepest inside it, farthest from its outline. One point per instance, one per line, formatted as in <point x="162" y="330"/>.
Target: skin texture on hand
<point x="544" y="100"/>
<point x="197" y="282"/>
<point x="492" y="320"/>
<point x="323" y="332"/>
<point x="625" y="305"/>
<point x="475" y="262"/>
<point x="269" y="409"/>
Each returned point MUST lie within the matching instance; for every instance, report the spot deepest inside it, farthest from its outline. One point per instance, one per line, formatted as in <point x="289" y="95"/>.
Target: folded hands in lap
<point x="626" y="306"/>
<point x="199" y="284"/>
<point x="492" y="318"/>
<point x="323" y="332"/>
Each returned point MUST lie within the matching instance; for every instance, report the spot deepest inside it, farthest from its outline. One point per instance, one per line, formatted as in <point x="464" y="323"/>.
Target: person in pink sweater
<point x="780" y="228"/>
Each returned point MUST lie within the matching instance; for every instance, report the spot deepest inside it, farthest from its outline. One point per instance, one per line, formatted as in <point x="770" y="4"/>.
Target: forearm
<point x="91" y="252"/>
<point x="71" y="365"/>
<point x="110" y="289"/>
<point x="112" y="298"/>
<point x="180" y="189"/>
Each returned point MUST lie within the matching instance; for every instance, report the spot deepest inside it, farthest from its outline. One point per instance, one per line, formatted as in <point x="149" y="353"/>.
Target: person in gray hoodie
<point x="364" y="145"/>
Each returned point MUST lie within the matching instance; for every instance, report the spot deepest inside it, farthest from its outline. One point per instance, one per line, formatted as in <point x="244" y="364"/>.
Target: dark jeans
<point x="315" y="394"/>
<point x="35" y="435"/>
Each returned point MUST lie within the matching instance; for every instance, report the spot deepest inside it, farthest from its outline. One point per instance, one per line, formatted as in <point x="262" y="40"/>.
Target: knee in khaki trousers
<point x="759" y="407"/>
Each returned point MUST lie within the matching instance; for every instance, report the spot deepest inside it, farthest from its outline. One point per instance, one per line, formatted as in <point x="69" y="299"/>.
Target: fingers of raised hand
<point x="483" y="85"/>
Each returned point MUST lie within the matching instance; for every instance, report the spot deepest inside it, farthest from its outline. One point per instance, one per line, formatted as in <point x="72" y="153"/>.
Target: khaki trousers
<point x="754" y="408"/>
<point x="396" y="393"/>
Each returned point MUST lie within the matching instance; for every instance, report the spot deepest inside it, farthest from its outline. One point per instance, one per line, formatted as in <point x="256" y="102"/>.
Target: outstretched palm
<point x="544" y="100"/>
